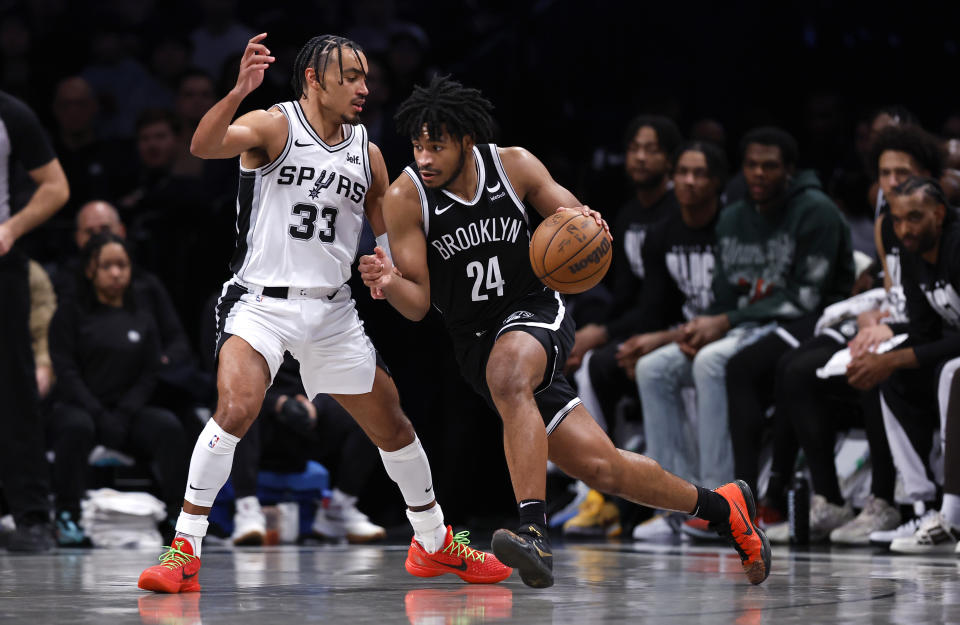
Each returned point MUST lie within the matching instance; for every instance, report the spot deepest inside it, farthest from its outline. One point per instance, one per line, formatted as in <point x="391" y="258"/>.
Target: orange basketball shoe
<point x="177" y="571"/>
<point x="748" y="539"/>
<point x="471" y="565"/>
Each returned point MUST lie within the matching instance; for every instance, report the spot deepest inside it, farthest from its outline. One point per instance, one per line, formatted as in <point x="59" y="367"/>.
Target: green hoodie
<point x="789" y="263"/>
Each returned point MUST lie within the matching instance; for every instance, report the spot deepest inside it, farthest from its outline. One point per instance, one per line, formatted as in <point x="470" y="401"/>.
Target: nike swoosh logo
<point x="749" y="531"/>
<point x="527" y="503"/>
<point x="462" y="567"/>
<point x="441" y="211"/>
<point x="543" y="554"/>
<point x="195" y="488"/>
<point x="185" y="576"/>
<point x="494" y="188"/>
<point x="427" y="490"/>
<point x="301" y="145"/>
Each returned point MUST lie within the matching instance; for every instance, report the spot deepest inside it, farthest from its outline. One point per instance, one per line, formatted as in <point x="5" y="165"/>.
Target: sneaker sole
<point x="516" y="553"/>
<point x="160" y="584"/>
<point x="923" y="549"/>
<point x="758" y="571"/>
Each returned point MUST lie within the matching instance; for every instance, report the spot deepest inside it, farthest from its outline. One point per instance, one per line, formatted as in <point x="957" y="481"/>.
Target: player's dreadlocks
<point x="447" y="105"/>
<point x="317" y="53"/>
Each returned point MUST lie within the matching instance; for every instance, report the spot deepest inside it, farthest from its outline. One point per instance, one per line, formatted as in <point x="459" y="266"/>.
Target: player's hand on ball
<point x="255" y="60"/>
<point x="586" y="211"/>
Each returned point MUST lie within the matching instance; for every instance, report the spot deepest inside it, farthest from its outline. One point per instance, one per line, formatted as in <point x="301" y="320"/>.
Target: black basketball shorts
<point x="543" y="315"/>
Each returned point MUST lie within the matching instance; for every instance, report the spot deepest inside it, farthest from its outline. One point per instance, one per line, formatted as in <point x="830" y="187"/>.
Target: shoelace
<point x="174" y="558"/>
<point x="458" y="547"/>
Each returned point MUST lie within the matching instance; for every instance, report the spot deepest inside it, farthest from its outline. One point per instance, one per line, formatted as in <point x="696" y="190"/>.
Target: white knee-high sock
<point x="210" y="467"/>
<point x="410" y="469"/>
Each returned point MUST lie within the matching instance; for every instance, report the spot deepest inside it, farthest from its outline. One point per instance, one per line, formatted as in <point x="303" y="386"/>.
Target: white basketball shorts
<point x="324" y="334"/>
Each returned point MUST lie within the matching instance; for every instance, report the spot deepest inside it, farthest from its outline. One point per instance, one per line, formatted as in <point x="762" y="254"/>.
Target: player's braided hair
<point x="446" y="105"/>
<point x="317" y="53"/>
<point x="929" y="186"/>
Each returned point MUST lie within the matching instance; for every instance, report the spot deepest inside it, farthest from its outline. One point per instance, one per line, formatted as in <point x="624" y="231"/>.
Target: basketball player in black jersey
<point x="459" y="222"/>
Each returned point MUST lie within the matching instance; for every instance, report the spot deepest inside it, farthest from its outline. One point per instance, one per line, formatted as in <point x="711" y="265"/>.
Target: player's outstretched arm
<point x="408" y="292"/>
<point x="535" y="185"/>
<point x="215" y="136"/>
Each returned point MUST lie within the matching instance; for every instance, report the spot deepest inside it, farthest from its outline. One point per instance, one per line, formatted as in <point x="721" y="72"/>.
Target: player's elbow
<point x="197" y="149"/>
<point x="417" y="313"/>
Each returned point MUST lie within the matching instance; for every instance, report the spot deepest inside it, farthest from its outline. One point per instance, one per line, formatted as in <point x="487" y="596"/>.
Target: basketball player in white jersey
<point x="459" y="224"/>
<point x="307" y="176"/>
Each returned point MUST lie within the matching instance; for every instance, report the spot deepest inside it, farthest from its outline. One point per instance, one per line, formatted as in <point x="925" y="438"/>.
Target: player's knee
<point x="396" y="435"/>
<point x="235" y="413"/>
<point x="601" y="474"/>
<point x="507" y="384"/>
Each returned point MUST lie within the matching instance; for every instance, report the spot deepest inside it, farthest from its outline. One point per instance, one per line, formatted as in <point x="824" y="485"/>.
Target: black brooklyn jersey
<point x="477" y="251"/>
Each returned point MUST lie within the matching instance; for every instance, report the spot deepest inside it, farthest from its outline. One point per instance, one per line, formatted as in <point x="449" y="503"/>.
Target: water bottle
<point x="798" y="510"/>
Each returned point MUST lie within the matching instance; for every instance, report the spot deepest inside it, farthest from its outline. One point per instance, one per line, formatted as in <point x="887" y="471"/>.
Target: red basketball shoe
<point x="471" y="565"/>
<point x="748" y="539"/>
<point x="177" y="571"/>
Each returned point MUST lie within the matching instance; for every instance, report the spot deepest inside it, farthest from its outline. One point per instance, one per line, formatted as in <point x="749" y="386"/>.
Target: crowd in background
<point x="125" y="273"/>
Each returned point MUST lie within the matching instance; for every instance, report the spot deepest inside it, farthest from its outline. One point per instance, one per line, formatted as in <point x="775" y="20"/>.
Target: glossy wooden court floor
<point x="596" y="583"/>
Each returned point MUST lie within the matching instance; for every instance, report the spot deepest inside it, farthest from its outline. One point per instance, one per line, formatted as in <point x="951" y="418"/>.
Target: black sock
<point x="533" y="511"/>
<point x="711" y="506"/>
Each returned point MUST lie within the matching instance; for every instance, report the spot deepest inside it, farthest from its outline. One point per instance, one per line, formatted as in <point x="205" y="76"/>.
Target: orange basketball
<point x="569" y="252"/>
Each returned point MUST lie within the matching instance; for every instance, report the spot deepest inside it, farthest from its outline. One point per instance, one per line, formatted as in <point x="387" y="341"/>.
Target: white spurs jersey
<point x="299" y="218"/>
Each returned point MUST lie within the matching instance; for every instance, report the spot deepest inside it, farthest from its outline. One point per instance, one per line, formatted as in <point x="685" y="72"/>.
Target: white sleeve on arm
<point x="383" y="242"/>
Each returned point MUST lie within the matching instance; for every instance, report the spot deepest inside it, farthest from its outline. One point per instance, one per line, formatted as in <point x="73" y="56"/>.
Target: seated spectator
<point x="291" y="430"/>
<point x="913" y="375"/>
<point x="181" y="384"/>
<point x="106" y="353"/>
<point x="651" y="140"/>
<point x="170" y="216"/>
<point x="95" y="167"/>
<point x="781" y="255"/>
<point x="818" y="408"/>
<point x="678" y="267"/>
<point x="679" y="261"/>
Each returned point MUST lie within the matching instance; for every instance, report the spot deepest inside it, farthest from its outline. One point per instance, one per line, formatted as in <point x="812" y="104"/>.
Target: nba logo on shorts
<point x="213" y="441"/>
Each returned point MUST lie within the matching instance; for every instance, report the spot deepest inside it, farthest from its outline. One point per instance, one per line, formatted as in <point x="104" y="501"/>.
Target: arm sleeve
<point x="29" y="143"/>
<point x="63" y="352"/>
<point x="819" y="240"/>
<point x="137" y="396"/>
<point x="43" y="303"/>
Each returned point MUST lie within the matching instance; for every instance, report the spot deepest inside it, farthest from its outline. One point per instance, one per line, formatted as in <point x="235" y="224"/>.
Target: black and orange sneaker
<point x="528" y="550"/>
<point x="177" y="571"/>
<point x="742" y="532"/>
<point x="469" y="564"/>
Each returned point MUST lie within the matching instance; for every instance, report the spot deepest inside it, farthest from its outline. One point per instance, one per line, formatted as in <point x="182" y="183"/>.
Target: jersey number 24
<point x="494" y="279"/>
<point x="307" y="227"/>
